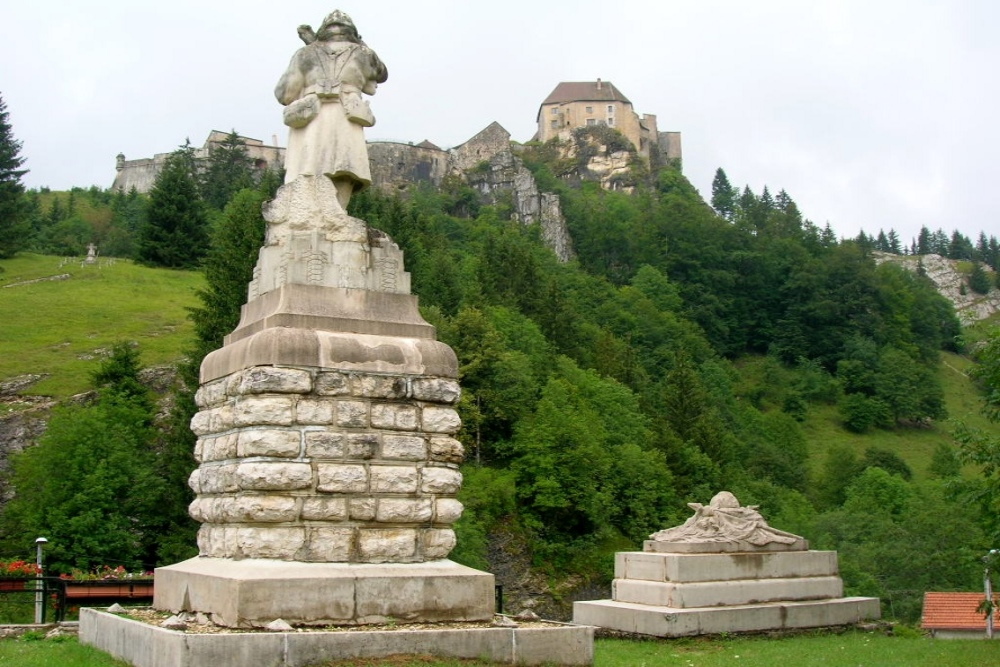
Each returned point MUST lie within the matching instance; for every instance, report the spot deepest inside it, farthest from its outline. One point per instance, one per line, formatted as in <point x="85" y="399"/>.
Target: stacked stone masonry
<point x="318" y="465"/>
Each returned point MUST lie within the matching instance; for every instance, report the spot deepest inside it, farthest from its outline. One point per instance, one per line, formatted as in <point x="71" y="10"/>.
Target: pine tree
<point x="979" y="280"/>
<point x="924" y="246"/>
<point x="894" y="246"/>
<point x="229" y="170"/>
<point x="13" y="225"/>
<point x="175" y="234"/>
<point x="723" y="195"/>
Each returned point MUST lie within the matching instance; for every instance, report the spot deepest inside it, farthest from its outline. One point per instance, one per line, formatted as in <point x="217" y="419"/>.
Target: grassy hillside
<point x="824" y="430"/>
<point x="61" y="327"/>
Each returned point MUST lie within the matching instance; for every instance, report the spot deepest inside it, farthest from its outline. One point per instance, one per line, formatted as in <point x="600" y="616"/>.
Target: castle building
<point x="576" y="104"/>
<point x="142" y="173"/>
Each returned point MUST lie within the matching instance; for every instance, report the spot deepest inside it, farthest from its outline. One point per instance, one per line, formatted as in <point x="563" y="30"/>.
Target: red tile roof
<point x="956" y="611"/>
<point x="585" y="91"/>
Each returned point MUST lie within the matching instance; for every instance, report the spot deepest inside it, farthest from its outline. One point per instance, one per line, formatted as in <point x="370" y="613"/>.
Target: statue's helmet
<point x="337" y="17"/>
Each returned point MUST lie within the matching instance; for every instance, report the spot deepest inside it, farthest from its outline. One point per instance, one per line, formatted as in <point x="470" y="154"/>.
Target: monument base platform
<point x="144" y="645"/>
<point x="675" y="622"/>
<point x="253" y="592"/>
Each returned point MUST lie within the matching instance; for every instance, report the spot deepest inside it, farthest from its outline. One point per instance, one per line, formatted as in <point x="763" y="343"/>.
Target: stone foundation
<point x="144" y="645"/>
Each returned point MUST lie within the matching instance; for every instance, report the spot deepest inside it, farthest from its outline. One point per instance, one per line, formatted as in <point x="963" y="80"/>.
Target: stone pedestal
<point x="677" y="594"/>
<point x="724" y="570"/>
<point x="242" y="593"/>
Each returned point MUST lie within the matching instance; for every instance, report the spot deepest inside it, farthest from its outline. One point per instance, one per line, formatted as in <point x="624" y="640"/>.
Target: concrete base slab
<point x="672" y="622"/>
<point x="254" y="592"/>
<point x="145" y="645"/>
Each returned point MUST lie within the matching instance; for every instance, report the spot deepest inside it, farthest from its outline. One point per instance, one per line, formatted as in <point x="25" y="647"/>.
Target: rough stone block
<point x="211" y="394"/>
<point x="324" y="444"/>
<point x="332" y="384"/>
<point x="447" y="510"/>
<point x="352" y="414"/>
<point x="314" y="411"/>
<point x="194" y="480"/>
<point x="219" y="478"/>
<point x="446" y="449"/>
<point x="220" y="448"/>
<point x="437" y="543"/>
<point x="441" y="480"/>
<point x="404" y="448"/>
<point x="324" y="509"/>
<point x="273" y="476"/>
<point x="341" y="478"/>
<point x="393" y="479"/>
<point x="213" y="420"/>
<point x="361" y="509"/>
<point x="440" y="420"/>
<point x="261" y="509"/>
<point x="436" y="390"/>
<point x="362" y="446"/>
<point x="269" y="442"/>
<point x="394" y="416"/>
<point x="327" y="545"/>
<point x="404" y="510"/>
<point x="263" y="411"/>
<point x="389" y="545"/>
<point x="279" y="543"/>
<point x="378" y="386"/>
<point x="270" y="379"/>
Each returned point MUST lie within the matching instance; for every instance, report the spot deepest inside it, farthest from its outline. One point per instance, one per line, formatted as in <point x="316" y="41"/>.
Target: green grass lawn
<point x="850" y="649"/>
<point x="59" y="327"/>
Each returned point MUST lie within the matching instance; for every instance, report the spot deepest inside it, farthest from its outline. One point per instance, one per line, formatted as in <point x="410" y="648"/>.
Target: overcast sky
<point x="870" y="113"/>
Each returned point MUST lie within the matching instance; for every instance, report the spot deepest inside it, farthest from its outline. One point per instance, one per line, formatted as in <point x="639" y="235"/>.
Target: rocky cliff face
<point x="506" y="173"/>
<point x="951" y="283"/>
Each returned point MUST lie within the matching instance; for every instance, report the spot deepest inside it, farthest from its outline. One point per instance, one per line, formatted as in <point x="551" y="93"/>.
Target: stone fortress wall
<point x="141" y="173"/>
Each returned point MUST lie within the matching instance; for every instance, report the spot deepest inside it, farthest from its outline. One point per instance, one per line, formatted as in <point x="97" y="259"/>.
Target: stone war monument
<point x="328" y="463"/>
<point x="724" y="570"/>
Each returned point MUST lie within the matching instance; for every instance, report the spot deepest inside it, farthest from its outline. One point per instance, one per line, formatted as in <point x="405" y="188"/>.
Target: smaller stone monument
<point x="91" y="254"/>
<point x="724" y="570"/>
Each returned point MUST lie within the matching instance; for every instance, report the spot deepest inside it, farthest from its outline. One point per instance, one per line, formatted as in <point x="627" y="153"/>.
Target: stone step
<point x="648" y="566"/>
<point x="672" y="622"/>
<point x="719" y="593"/>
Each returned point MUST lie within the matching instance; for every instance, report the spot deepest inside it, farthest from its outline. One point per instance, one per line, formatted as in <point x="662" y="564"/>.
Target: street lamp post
<point x="988" y="588"/>
<point x="39" y="584"/>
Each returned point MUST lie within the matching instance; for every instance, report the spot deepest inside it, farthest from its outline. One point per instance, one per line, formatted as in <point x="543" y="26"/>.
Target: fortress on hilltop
<point x="396" y="165"/>
<point x="576" y="104"/>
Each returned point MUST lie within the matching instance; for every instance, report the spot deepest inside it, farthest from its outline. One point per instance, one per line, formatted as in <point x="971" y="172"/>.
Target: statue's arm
<point x="291" y="83"/>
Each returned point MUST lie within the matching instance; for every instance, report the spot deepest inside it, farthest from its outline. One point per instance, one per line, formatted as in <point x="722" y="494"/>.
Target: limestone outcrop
<point x="951" y="283"/>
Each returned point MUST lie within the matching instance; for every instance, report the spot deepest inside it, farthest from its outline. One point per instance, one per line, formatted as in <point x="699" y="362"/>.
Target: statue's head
<point x="338" y="25"/>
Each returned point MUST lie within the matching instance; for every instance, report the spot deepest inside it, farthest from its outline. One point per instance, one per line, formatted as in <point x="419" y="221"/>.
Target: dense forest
<point x="678" y="355"/>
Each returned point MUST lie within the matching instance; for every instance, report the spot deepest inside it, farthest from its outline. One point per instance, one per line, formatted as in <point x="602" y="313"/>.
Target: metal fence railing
<point x="27" y="600"/>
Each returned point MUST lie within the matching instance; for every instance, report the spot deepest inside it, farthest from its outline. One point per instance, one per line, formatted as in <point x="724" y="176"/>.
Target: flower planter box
<point x="12" y="584"/>
<point x="109" y="589"/>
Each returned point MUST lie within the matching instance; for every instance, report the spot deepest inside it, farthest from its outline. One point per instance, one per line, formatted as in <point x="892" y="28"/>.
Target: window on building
<point x="555" y="124"/>
<point x="611" y="121"/>
<point x="590" y="109"/>
<point x="611" y="108"/>
<point x="591" y="121"/>
<point x="555" y="110"/>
